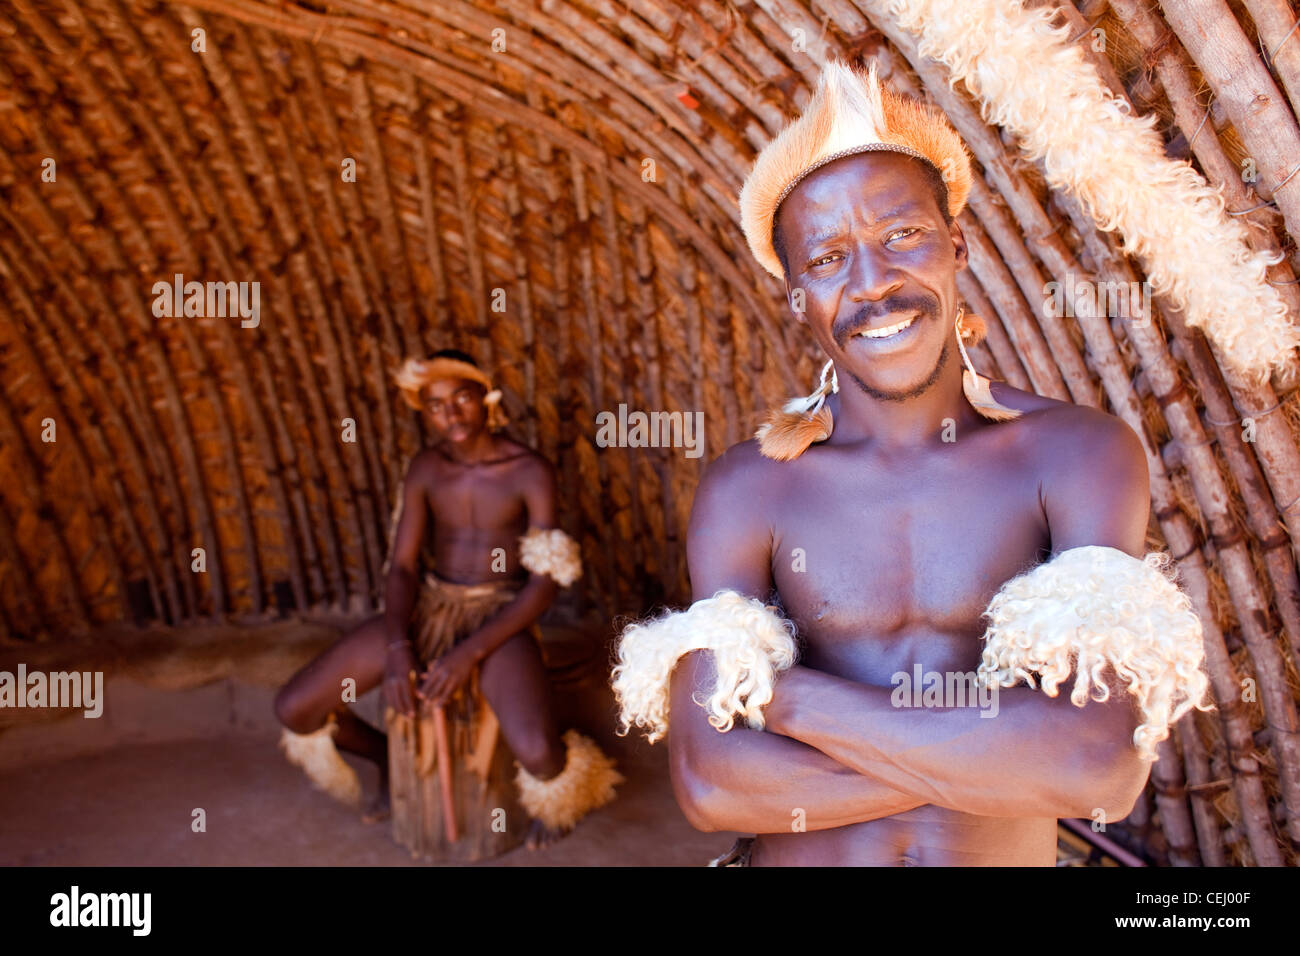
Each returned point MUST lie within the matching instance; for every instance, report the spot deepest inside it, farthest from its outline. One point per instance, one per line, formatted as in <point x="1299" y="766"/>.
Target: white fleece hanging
<point x="1030" y="80"/>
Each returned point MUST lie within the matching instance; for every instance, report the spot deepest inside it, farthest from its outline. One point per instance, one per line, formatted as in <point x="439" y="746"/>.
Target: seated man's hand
<point x="399" y="669"/>
<point x="446" y="675"/>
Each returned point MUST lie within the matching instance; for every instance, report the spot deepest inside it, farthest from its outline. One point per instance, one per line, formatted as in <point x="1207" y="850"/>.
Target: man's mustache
<point x="845" y="329"/>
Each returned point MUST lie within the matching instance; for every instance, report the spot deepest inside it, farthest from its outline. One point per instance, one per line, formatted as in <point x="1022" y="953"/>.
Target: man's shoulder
<point x="507" y="451"/>
<point x="739" y="484"/>
<point x="1077" y="446"/>
<point x="519" y="456"/>
<point x="733" y="510"/>
<point x="424" y="463"/>
<point x="1063" y="429"/>
<point x="1094" y="480"/>
<point x="741" y="465"/>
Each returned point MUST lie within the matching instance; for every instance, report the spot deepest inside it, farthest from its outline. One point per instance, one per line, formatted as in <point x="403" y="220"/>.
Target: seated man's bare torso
<point x="476" y="512"/>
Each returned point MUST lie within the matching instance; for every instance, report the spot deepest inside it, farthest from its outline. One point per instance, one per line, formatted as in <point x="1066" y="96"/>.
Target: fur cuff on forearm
<point x="586" y="783"/>
<point x="751" y="646"/>
<point x="553" y="553"/>
<point x="1096" y="610"/>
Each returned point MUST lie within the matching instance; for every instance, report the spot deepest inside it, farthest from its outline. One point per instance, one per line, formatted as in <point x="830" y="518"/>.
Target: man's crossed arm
<point x="839" y="749"/>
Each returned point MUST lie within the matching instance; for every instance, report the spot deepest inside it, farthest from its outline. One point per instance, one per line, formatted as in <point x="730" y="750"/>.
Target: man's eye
<point x="822" y="260"/>
<point x="897" y="233"/>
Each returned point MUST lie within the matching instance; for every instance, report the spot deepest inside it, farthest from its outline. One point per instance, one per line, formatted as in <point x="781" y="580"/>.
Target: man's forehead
<point x="833" y="217"/>
<point x="865" y="185"/>
<point x="874" y="172"/>
<point x="448" y="386"/>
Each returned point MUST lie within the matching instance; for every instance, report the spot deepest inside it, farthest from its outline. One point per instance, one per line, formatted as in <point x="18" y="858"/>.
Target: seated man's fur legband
<point x="751" y="644"/>
<point x="586" y="783"/>
<point x="553" y="553"/>
<point x="1091" y="610"/>
<point x="316" y="755"/>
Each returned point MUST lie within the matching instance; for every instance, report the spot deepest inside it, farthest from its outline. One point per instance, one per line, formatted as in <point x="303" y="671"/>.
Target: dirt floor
<point x="133" y="805"/>
<point x="186" y="728"/>
<point x="187" y="724"/>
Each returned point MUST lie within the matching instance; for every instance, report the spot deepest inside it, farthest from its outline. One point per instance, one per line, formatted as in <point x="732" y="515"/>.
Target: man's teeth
<point x="887" y="330"/>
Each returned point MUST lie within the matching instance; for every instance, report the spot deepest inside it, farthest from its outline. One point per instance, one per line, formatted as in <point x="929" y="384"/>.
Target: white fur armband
<point x="751" y="645"/>
<point x="1091" y="608"/>
<point x="553" y="553"/>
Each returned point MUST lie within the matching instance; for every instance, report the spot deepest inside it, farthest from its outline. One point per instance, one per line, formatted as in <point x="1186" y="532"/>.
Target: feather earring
<point x="975" y="385"/>
<point x="802" y="421"/>
<point x="496" y="415"/>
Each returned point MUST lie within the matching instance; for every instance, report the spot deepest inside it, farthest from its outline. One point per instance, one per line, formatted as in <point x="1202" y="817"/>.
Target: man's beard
<point x="928" y="309"/>
<point x="915" y="390"/>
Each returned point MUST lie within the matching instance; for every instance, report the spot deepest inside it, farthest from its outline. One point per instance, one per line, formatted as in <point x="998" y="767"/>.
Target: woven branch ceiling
<point x="551" y="187"/>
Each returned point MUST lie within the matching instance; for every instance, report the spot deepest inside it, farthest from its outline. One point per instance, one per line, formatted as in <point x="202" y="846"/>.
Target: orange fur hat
<point x="849" y="113"/>
<point x="415" y="374"/>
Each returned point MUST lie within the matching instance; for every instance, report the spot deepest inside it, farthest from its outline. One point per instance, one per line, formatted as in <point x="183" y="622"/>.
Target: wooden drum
<point x="455" y="802"/>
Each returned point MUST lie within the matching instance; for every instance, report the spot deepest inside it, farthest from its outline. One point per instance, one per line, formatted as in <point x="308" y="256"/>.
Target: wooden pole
<point x="1213" y="495"/>
<point x="1275" y="21"/>
<point x="444" y="773"/>
<point x="1209" y="833"/>
<point x="1249" y="96"/>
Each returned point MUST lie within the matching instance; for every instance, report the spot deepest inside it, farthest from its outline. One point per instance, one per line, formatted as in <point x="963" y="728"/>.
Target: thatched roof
<point x="564" y="209"/>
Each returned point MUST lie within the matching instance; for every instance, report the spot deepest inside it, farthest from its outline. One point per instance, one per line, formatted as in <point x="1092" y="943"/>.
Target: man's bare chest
<point x="468" y="500"/>
<point x="894" y="566"/>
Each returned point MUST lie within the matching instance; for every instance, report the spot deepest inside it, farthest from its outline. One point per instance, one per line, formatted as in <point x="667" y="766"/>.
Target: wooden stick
<point x="1275" y="23"/>
<point x="425" y="753"/>
<point x="485" y="739"/>
<point x="1252" y="101"/>
<point x="444" y="773"/>
<point x="399" y="776"/>
<point x="1205" y="817"/>
<point x="1171" y="800"/>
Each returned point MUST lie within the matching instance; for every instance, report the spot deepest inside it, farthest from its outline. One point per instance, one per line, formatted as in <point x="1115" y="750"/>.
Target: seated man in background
<point x="480" y="509"/>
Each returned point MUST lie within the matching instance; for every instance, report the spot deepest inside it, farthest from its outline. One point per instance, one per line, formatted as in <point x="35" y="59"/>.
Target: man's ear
<point x="795" y="297"/>
<point x="959" y="245"/>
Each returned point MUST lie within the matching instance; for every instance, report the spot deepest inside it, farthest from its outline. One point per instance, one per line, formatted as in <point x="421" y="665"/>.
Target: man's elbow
<point x="1131" y="773"/>
<point x="547" y="591"/>
<point x="699" y="812"/>
<point x="1109" y="787"/>
<point x="696" y="796"/>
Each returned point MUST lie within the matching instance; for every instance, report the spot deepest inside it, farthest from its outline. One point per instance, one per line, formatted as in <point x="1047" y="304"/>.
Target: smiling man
<point x="886" y="516"/>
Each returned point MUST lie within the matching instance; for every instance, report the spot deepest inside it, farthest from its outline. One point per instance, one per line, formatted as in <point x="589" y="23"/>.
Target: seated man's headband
<point x="416" y="374"/>
<point x="849" y="113"/>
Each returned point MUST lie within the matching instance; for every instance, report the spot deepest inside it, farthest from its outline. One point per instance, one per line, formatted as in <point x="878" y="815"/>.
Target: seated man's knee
<point x="295" y="712"/>
<point x="541" y="757"/>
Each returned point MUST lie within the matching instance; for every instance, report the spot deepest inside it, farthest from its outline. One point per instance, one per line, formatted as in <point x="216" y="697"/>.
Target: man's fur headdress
<point x="849" y="113"/>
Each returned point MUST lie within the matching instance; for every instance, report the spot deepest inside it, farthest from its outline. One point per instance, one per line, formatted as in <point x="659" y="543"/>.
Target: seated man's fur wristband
<point x="1094" y="611"/>
<point x="553" y="553"/>
<point x="751" y="645"/>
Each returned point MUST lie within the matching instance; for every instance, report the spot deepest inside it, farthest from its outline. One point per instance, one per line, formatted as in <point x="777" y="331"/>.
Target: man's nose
<point x="871" y="277"/>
